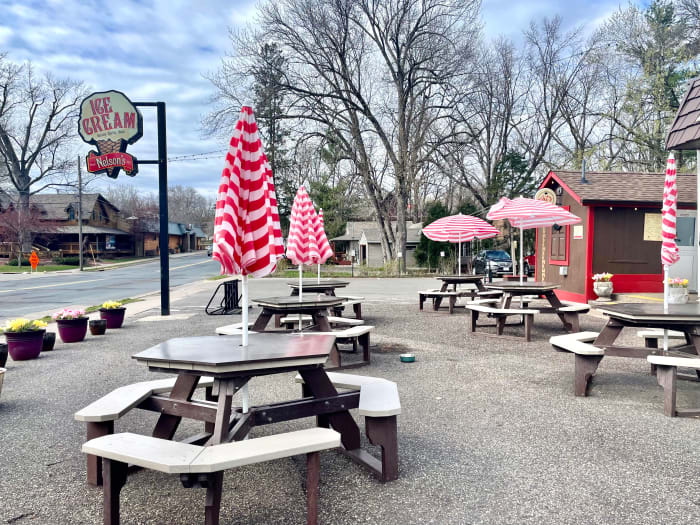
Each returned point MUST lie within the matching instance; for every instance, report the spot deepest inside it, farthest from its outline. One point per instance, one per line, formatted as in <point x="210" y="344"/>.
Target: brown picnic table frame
<point x="232" y="367"/>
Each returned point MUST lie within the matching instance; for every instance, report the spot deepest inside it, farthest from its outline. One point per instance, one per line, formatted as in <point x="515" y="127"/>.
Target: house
<point x="363" y="239"/>
<point x="181" y="237"/>
<point x="104" y="230"/>
<point x="620" y="232"/>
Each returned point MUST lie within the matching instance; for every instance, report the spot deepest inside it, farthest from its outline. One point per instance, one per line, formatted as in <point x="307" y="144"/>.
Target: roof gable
<point x="685" y="129"/>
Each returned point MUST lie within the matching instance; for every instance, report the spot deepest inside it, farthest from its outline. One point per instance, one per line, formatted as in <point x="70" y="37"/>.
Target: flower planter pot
<point x="113" y="316"/>
<point x="72" y="330"/>
<point x="3" y="354"/>
<point x="603" y="290"/>
<point x="24" y="345"/>
<point x="677" y="295"/>
<point x="2" y="378"/>
<point x="49" y="341"/>
<point x="98" y="327"/>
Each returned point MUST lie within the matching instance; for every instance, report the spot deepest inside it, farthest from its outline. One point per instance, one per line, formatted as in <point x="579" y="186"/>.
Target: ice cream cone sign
<point x="110" y="121"/>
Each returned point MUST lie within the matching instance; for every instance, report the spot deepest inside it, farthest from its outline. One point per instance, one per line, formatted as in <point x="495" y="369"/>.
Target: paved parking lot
<point x="490" y="431"/>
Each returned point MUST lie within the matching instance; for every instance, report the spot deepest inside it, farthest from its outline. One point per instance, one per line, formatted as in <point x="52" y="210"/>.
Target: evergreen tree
<point x="427" y="251"/>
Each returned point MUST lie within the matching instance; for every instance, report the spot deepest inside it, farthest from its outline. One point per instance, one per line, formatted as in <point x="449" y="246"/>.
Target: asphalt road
<point x="23" y="294"/>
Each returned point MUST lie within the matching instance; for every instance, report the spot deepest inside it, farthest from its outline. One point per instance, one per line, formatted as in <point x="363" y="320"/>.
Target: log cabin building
<point x="620" y="233"/>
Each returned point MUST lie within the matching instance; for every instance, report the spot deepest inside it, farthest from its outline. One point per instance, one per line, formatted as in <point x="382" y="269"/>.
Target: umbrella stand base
<point x="229" y="304"/>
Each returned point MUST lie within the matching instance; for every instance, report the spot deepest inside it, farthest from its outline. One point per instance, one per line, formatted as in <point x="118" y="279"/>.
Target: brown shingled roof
<point x="685" y="130"/>
<point x="606" y="186"/>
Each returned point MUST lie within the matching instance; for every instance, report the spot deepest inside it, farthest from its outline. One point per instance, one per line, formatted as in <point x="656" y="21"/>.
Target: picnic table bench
<point x="586" y="357"/>
<point x="379" y="405"/>
<point x="501" y="315"/>
<point x="666" y="374"/>
<point x="171" y="457"/>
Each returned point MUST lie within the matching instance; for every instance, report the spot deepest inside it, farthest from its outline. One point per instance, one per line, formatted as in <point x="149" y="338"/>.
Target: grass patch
<point x="45" y="268"/>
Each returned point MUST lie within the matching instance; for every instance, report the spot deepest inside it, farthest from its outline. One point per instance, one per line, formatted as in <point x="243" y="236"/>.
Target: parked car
<point x="497" y="260"/>
<point x="530" y="262"/>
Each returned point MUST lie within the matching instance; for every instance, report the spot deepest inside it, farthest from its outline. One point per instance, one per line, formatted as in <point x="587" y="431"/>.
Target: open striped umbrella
<point x="530" y="213"/>
<point x="247" y="234"/>
<point x="324" y="248"/>
<point x="459" y="228"/>
<point x="669" y="250"/>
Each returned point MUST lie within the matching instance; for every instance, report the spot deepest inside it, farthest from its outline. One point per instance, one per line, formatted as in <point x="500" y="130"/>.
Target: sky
<point x="160" y="50"/>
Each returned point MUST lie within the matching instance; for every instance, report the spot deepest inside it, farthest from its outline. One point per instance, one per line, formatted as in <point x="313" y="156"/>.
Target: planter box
<point x="113" y="316"/>
<point x="72" y="330"/>
<point x="24" y="345"/>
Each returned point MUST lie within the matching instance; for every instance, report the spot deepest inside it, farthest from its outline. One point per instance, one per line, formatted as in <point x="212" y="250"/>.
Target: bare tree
<point x="37" y="127"/>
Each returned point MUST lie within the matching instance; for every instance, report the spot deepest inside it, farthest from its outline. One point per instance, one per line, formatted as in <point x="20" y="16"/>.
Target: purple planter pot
<point x="72" y="330"/>
<point x="24" y="345"/>
<point x="113" y="316"/>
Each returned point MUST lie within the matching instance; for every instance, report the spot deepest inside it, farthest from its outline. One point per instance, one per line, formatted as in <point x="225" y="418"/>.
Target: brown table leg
<point x="480" y="285"/>
<point x="167" y="424"/>
<point x="444" y="286"/>
<point x="94" y="463"/>
<point x="319" y="385"/>
<point x="262" y="320"/>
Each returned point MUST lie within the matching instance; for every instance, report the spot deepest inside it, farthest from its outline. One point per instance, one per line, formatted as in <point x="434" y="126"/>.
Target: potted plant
<point x="677" y="291"/>
<point x="98" y="326"/>
<point x="24" y="338"/>
<point x="72" y="324"/>
<point x="113" y="312"/>
<point x="49" y="341"/>
<point x="3" y="354"/>
<point x="603" y="286"/>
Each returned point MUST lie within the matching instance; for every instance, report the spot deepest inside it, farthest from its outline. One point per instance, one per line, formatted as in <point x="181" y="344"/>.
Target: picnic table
<point x="513" y="289"/>
<point x="454" y="280"/>
<point x="232" y="366"/>
<point x="325" y="286"/>
<point x="683" y="318"/>
<point x="314" y="305"/>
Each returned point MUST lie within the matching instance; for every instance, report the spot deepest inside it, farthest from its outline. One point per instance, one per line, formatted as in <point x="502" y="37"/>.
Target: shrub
<point x="68" y="261"/>
<point x="13" y="262"/>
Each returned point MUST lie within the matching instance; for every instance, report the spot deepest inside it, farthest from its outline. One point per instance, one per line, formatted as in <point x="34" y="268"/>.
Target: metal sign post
<point x="162" y="163"/>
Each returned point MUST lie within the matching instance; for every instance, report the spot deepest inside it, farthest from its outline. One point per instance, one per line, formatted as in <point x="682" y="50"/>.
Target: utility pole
<point x="80" y="215"/>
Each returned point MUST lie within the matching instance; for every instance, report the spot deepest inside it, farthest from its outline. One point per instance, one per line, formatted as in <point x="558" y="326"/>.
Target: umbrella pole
<point x="318" y="277"/>
<point x="459" y="256"/>
<point x="665" y="305"/>
<point x="520" y="268"/>
<point x="301" y="290"/>
<point x="244" y="338"/>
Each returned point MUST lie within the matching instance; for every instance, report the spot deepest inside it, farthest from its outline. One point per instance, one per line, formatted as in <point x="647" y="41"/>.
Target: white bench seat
<point x="577" y="343"/>
<point x="379" y="397"/>
<point x="119" y="401"/>
<point x="233" y="329"/>
<point x="666" y="368"/>
<point x="575" y="307"/>
<point x="483" y="308"/>
<point x="172" y="457"/>
<point x="358" y="335"/>
<point x="586" y="357"/>
<point x="653" y="336"/>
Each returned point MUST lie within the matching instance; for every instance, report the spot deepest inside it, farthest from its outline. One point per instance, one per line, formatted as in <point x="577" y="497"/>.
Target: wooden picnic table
<point x="233" y="366"/>
<point x="325" y="286"/>
<point x="454" y="280"/>
<point x="683" y="318"/>
<point x="314" y="305"/>
<point x="513" y="289"/>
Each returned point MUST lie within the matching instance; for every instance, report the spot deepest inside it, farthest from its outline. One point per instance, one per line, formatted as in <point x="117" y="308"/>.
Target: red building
<point x="620" y="233"/>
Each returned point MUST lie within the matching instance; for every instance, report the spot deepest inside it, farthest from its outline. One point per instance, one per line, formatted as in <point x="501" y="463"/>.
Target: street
<point x="23" y="294"/>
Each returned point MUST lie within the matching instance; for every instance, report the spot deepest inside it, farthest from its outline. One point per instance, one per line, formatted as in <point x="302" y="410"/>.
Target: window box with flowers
<point x="72" y="324"/>
<point x="677" y="291"/>
<point x="113" y="312"/>
<point x="603" y="286"/>
<point x="24" y="338"/>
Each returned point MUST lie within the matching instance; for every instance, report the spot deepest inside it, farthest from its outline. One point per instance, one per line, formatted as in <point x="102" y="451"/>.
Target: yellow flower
<point x="40" y="324"/>
<point x="23" y="325"/>
<point x="111" y="304"/>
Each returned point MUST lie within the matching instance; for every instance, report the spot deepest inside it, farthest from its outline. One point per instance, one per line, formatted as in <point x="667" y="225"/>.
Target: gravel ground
<point x="490" y="432"/>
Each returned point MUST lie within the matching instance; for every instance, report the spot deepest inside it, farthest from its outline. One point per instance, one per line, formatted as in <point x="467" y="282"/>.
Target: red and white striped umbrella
<point x="301" y="241"/>
<point x="247" y="234"/>
<point x="530" y="213"/>
<point x="669" y="250"/>
<point x="457" y="229"/>
<point x="324" y="248"/>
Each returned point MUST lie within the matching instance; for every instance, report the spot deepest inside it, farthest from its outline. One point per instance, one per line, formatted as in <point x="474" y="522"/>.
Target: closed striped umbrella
<point x="247" y="234"/>
<point x="530" y="213"/>
<point x="669" y="250"/>
<point x="457" y="229"/>
<point x="301" y="241"/>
